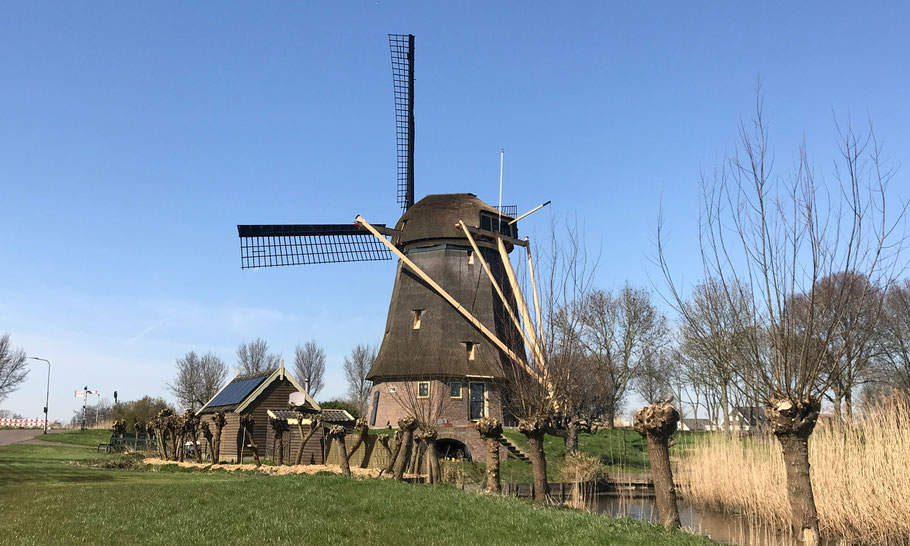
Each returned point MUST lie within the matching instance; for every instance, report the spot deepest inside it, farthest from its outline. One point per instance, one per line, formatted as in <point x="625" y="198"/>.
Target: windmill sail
<point x="402" y="47"/>
<point x="304" y="244"/>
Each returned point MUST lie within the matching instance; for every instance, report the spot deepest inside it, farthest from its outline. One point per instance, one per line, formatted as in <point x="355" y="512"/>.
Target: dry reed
<point x="859" y="476"/>
<point x="581" y="470"/>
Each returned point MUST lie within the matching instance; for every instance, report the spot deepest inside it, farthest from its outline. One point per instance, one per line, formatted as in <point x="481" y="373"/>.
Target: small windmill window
<point x="455" y="389"/>
<point x="469" y="348"/>
<point x="417" y="314"/>
<point x="423" y="389"/>
<point x="470" y="257"/>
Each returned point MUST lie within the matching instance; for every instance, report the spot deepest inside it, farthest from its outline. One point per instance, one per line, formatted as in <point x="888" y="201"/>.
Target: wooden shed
<point x="255" y="394"/>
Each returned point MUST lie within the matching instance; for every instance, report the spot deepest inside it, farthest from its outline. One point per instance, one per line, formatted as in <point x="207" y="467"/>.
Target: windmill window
<point x="455" y="389"/>
<point x="423" y="389"/>
<point x="417" y="314"/>
<point x="469" y="348"/>
<point x="470" y="257"/>
<point x="375" y="409"/>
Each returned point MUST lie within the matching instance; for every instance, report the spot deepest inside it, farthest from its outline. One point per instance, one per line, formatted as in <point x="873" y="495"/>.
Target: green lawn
<point x="91" y="437"/>
<point x="63" y="495"/>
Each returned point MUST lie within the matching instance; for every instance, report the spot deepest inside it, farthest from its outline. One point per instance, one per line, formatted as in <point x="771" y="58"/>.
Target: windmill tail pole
<point x="534" y="287"/>
<point x="522" y="308"/>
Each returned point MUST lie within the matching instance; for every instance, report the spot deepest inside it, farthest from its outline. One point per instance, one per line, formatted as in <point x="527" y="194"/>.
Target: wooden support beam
<point x="534" y="286"/>
<point x="510" y="273"/>
<point x="446" y="296"/>
<point x="495" y="284"/>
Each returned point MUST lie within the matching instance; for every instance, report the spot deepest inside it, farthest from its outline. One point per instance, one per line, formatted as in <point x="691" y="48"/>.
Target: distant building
<point x="697" y="425"/>
<point x="747" y="419"/>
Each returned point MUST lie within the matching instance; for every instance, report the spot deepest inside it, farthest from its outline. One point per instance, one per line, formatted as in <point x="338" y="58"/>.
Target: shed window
<point x="455" y="389"/>
<point x="423" y="389"/>
<point x="417" y="315"/>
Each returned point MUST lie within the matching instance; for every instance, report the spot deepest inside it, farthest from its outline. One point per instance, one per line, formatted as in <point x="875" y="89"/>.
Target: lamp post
<point x="48" y="394"/>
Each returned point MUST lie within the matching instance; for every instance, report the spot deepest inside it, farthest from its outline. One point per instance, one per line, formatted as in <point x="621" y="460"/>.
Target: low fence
<point x="22" y="423"/>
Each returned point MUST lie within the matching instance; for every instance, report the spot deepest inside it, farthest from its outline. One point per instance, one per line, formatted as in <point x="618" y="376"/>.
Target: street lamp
<point x="48" y="395"/>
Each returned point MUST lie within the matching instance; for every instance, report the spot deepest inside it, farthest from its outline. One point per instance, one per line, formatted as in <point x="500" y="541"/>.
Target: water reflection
<point x="718" y="526"/>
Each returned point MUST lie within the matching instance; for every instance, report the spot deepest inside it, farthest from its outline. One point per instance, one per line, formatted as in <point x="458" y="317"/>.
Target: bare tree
<point x="769" y="240"/>
<point x="715" y="338"/>
<point x="198" y="379"/>
<point x="356" y="367"/>
<point x="309" y="364"/>
<point x="255" y="357"/>
<point x="896" y="337"/>
<point x="652" y="382"/>
<point x="13" y="369"/>
<point x="855" y="342"/>
<point x="620" y="332"/>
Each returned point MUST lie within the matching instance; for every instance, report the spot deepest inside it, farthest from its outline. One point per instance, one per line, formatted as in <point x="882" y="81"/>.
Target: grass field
<point x="64" y="495"/>
<point x="90" y="438"/>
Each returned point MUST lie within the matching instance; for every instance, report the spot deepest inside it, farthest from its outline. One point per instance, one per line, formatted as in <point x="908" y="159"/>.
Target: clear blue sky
<point x="133" y="138"/>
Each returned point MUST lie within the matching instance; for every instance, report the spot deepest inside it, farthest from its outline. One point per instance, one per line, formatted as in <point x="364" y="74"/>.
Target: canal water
<point x="720" y="526"/>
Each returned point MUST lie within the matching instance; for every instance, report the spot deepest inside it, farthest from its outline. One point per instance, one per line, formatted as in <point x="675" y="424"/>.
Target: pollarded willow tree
<point x="769" y="240"/>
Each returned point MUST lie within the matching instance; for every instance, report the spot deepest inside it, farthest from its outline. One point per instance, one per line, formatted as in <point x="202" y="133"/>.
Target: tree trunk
<point x="725" y="406"/>
<point x="848" y="404"/>
<point x="610" y="416"/>
<point x="279" y="448"/>
<point x="254" y="448"/>
<point x="393" y="452"/>
<point x="657" y="423"/>
<point x="428" y="437"/>
<point x="247" y="422"/>
<point x="314" y="423"/>
<point x="220" y="420"/>
<point x="362" y="430"/>
<point x="216" y="446"/>
<point x="414" y="463"/>
<point x="792" y="422"/>
<point x="208" y="440"/>
<point x="172" y="436"/>
<point x="573" y="428"/>
<point x="490" y="429"/>
<point x="196" y="447"/>
<point x="407" y="426"/>
<point x="337" y="433"/>
<point x="161" y="441"/>
<point x="180" y="447"/>
<point x="534" y="430"/>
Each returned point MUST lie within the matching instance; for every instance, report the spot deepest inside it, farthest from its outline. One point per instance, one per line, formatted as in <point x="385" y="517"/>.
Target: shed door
<point x="476" y="401"/>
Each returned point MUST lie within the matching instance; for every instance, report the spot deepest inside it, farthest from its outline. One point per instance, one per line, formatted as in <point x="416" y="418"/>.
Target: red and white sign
<point x="21" y="423"/>
<point x="83" y="394"/>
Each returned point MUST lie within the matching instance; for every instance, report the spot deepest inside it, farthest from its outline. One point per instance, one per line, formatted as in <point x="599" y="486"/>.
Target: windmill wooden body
<point x="451" y="335"/>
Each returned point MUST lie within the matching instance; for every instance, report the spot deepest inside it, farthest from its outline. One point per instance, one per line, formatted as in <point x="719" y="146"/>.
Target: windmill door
<point x="476" y="401"/>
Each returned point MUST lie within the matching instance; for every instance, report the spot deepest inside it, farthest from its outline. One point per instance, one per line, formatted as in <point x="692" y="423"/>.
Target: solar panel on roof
<point x="236" y="392"/>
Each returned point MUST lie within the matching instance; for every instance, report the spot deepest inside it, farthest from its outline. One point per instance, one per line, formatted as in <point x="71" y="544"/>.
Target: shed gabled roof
<point x="242" y="390"/>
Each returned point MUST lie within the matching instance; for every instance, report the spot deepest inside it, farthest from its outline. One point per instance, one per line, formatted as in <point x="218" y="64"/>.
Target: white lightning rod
<point x="502" y="152"/>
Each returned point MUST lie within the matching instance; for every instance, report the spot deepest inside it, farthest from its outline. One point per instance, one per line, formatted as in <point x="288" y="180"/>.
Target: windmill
<point x="453" y="317"/>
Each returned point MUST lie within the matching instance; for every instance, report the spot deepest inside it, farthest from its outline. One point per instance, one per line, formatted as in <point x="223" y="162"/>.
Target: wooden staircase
<point x="514" y="450"/>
